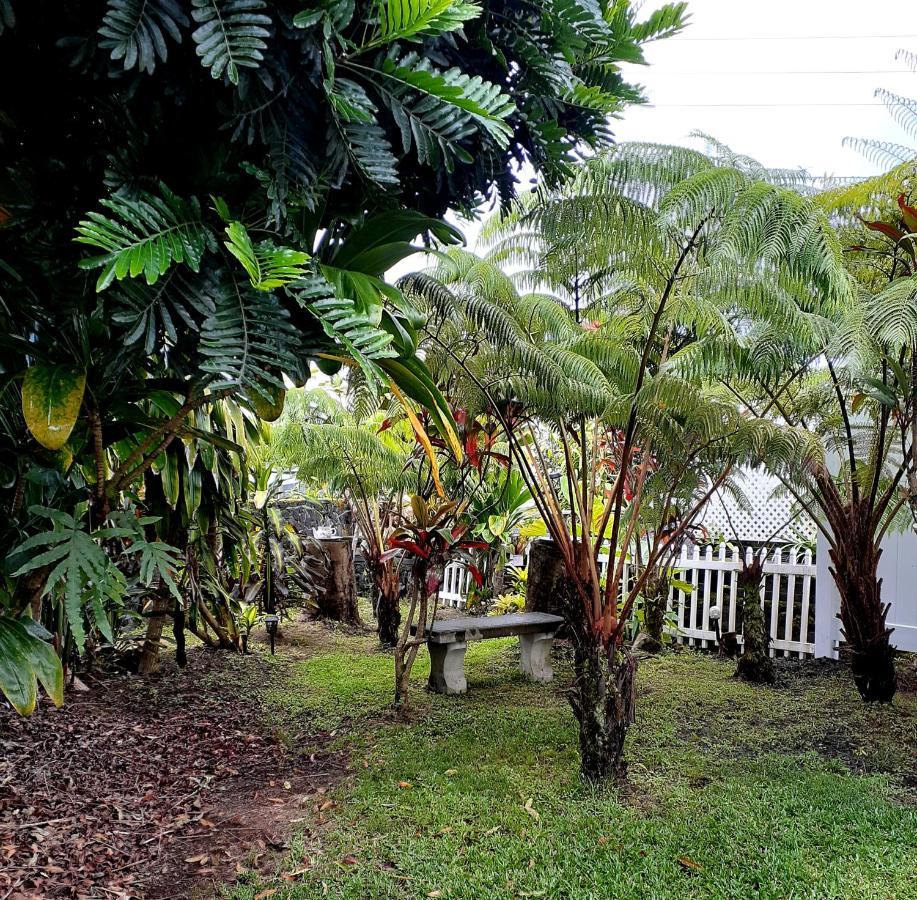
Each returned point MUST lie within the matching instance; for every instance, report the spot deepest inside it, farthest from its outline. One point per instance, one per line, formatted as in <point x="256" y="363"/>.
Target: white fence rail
<point x="787" y="596"/>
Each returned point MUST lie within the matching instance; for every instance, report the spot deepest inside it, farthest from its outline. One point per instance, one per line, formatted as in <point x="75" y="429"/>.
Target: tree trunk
<point x="656" y="603"/>
<point x="388" y="609"/>
<point x="855" y="571"/>
<point x="755" y="664"/>
<point x="159" y="612"/>
<point x="603" y="701"/>
<point x="338" y="601"/>
<point x="546" y="587"/>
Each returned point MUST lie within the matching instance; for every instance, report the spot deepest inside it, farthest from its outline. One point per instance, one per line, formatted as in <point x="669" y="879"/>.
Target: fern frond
<point x="478" y="100"/>
<point x="146" y="312"/>
<point x="248" y="340"/>
<point x="356" y="138"/>
<point x="347" y="325"/>
<point x="411" y="19"/>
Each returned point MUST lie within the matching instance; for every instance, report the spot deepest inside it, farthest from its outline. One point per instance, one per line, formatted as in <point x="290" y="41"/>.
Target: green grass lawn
<point x="734" y="791"/>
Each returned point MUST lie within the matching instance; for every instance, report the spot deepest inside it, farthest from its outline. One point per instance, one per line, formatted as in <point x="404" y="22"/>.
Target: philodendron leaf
<point x="267" y="401"/>
<point x="51" y="399"/>
<point x="25" y="659"/>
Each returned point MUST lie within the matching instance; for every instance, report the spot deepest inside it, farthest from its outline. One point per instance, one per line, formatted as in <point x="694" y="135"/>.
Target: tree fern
<point x="231" y="35"/>
<point x="144" y="235"/>
<point x="135" y="31"/>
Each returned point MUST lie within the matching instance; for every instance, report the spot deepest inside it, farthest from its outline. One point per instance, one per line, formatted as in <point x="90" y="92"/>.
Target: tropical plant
<point x="26" y="658"/>
<point x="653" y="267"/>
<point x="248" y="617"/>
<point x="371" y="464"/>
<point x="861" y="404"/>
<point x="433" y="535"/>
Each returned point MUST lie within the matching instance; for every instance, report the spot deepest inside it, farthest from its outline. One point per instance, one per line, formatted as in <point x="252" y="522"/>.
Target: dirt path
<point x="155" y="788"/>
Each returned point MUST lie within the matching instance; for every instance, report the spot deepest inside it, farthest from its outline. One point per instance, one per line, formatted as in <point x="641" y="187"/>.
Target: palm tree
<point x="645" y="273"/>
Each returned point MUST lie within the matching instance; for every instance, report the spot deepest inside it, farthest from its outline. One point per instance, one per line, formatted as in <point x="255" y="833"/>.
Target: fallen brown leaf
<point x="688" y="863"/>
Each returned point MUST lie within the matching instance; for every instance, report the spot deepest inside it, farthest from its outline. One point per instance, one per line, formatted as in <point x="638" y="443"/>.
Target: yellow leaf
<point x="422" y="436"/>
<point x="51" y="401"/>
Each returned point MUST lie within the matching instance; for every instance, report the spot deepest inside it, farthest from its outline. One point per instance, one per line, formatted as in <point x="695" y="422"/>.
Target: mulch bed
<point x="151" y="788"/>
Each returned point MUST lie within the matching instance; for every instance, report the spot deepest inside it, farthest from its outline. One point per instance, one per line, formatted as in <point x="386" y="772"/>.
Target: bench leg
<point x="536" y="656"/>
<point x="447" y="668"/>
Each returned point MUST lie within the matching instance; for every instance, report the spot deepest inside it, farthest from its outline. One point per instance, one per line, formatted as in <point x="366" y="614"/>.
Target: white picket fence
<point x="456" y="584"/>
<point x="787" y="595"/>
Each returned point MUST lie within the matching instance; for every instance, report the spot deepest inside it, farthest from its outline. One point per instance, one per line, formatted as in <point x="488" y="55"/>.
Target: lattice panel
<point x="768" y="516"/>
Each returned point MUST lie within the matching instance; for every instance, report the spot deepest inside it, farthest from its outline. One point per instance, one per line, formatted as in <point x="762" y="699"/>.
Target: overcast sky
<point x="742" y="71"/>
<point x="783" y="81"/>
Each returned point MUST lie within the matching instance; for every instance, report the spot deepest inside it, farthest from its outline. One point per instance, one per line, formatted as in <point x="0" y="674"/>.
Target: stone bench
<point x="448" y="641"/>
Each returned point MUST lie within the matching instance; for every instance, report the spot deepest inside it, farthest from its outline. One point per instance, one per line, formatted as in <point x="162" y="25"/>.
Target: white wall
<point x="898" y="571"/>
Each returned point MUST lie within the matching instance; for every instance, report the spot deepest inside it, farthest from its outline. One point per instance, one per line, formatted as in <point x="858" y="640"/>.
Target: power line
<point x="792" y="72"/>
<point x="802" y="37"/>
<point x="755" y="105"/>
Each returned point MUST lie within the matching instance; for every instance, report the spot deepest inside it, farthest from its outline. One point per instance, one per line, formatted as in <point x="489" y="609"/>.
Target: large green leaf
<point x="25" y="659"/>
<point x="268" y="266"/>
<point x="51" y="399"/>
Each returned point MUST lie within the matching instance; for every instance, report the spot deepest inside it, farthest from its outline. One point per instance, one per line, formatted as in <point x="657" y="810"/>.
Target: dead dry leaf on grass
<point x="687" y="863"/>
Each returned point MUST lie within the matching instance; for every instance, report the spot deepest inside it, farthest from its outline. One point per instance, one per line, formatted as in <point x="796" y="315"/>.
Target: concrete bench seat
<point x="448" y="640"/>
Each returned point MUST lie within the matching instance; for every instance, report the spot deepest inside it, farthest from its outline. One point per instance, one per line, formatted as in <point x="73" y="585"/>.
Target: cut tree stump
<point x="547" y="585"/>
<point x="338" y="601"/>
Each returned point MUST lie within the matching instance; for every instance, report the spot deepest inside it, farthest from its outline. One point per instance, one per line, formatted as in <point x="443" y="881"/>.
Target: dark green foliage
<point x="198" y="200"/>
<point x="135" y="31"/>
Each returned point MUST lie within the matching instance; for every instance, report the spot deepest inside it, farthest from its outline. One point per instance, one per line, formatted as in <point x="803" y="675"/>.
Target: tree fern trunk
<point x="603" y="702"/>
<point x="603" y="693"/>
<point x="755" y="664"/>
<point x="388" y="617"/>
<point x="855" y="560"/>
<point x="654" y="610"/>
<point x="339" y="599"/>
